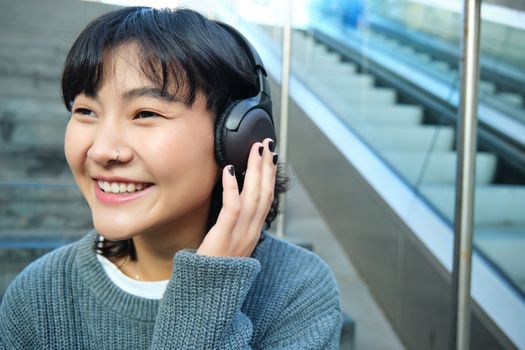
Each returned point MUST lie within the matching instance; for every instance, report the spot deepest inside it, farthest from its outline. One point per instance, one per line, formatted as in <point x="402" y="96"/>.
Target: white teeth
<point x="122" y="188"/>
<point x="118" y="187"/>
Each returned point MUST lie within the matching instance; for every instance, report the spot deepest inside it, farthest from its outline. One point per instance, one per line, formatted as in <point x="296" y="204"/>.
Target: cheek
<point x="185" y="155"/>
<point x="73" y="146"/>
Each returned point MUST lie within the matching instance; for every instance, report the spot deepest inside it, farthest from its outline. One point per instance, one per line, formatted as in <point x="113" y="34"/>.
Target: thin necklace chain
<point x="137" y="276"/>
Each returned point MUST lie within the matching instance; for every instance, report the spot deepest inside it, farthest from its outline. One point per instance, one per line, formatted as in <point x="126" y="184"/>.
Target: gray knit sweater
<point x="283" y="297"/>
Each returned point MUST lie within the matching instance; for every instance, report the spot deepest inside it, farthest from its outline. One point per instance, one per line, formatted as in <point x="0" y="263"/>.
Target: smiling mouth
<point x="122" y="187"/>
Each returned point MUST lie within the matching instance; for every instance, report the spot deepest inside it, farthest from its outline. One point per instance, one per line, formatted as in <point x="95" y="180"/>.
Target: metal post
<point x="466" y="175"/>
<point x="285" y="79"/>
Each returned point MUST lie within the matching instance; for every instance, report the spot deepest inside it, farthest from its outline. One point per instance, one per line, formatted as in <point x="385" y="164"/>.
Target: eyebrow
<point x="149" y="92"/>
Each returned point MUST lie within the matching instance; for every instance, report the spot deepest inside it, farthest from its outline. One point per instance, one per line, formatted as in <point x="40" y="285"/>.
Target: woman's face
<point x="166" y="167"/>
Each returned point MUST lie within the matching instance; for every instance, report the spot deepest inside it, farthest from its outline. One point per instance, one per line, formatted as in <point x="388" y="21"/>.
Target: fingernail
<point x="271" y="146"/>
<point x="231" y="170"/>
<point x="275" y="157"/>
<point x="261" y="149"/>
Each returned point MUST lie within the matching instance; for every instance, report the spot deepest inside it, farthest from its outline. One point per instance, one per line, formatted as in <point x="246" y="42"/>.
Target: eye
<point x="83" y="111"/>
<point x="146" y="114"/>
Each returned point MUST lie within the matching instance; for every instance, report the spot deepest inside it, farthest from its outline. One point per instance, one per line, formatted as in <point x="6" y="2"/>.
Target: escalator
<point x="420" y="148"/>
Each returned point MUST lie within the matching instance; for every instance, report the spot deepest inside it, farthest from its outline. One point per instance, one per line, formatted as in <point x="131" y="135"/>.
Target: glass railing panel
<point x="426" y="34"/>
<point x="502" y="45"/>
<point x="418" y="143"/>
<point x="499" y="221"/>
<point x="339" y="57"/>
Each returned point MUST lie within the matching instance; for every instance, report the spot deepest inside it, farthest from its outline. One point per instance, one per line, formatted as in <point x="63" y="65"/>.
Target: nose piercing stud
<point x="118" y="154"/>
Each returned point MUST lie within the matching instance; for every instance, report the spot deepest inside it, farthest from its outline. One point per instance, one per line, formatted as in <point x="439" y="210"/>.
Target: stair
<point x="41" y="207"/>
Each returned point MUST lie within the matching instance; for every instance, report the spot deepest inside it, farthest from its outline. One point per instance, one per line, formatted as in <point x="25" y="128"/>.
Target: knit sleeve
<point x="17" y="329"/>
<point x="201" y="308"/>
<point x="312" y="318"/>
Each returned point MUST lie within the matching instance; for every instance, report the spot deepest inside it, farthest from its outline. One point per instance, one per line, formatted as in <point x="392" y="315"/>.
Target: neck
<point x="156" y="248"/>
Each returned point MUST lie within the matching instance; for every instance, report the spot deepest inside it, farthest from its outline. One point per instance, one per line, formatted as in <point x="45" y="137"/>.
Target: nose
<point x="109" y="147"/>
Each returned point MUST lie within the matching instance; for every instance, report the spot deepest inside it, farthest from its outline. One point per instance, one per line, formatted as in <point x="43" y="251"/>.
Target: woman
<point x="178" y="258"/>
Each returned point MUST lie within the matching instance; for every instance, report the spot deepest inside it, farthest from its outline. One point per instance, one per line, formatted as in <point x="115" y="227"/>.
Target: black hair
<point x="182" y="52"/>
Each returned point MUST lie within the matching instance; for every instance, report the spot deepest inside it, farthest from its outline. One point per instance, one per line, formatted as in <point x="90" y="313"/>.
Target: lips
<point x="120" y="190"/>
<point x="122" y="187"/>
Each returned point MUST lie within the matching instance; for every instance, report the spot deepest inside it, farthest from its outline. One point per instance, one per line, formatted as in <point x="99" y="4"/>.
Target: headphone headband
<point x="254" y="58"/>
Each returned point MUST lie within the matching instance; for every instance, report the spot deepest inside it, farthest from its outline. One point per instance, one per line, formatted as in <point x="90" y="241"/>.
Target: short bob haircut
<point x="180" y="51"/>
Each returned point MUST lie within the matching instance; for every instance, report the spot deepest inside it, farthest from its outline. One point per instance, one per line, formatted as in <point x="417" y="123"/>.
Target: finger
<point x="231" y="202"/>
<point x="268" y="173"/>
<point x="250" y="195"/>
<point x="252" y="182"/>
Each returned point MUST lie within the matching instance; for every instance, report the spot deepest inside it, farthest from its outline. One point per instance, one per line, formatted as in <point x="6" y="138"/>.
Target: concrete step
<point x="504" y="246"/>
<point x="19" y="42"/>
<point x="486" y="87"/>
<point x="406" y="50"/>
<point x="31" y="88"/>
<point x="308" y="47"/>
<point x="495" y="205"/>
<point x="438" y="167"/>
<point x="36" y="72"/>
<point x="340" y="82"/>
<point x="36" y="132"/>
<point x="50" y="11"/>
<point x="519" y="115"/>
<point x="33" y="163"/>
<point x="11" y="43"/>
<point x="29" y="109"/>
<point x="52" y="113"/>
<point x="51" y="205"/>
<point x="345" y="100"/>
<point x="300" y="35"/>
<point x="32" y="56"/>
<point x="35" y="238"/>
<point x="422" y="57"/>
<point x="341" y="69"/>
<point x="510" y="98"/>
<point x="318" y="59"/>
<point x="440" y="66"/>
<point x="406" y="138"/>
<point x="386" y="115"/>
<point x="32" y="32"/>
<point x="38" y="98"/>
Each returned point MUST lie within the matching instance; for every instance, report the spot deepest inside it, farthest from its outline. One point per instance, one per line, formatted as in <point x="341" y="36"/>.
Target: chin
<point x="114" y="231"/>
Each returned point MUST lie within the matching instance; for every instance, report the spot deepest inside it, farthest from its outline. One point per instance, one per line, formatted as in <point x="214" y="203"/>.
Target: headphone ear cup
<point x="220" y="125"/>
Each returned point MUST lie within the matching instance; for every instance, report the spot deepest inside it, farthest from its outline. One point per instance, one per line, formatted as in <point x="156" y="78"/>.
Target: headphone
<point x="244" y="122"/>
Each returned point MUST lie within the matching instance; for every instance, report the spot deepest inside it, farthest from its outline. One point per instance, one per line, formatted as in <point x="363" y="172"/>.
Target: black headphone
<point x="244" y="122"/>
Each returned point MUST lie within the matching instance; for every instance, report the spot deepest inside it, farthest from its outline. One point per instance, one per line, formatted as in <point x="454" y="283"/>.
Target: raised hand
<point x="242" y="216"/>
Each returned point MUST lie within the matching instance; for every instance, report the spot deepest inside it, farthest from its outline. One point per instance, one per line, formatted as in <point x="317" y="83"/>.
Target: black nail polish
<point x="231" y="170"/>
<point x="271" y="146"/>
<point x="261" y="149"/>
<point x="275" y="157"/>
